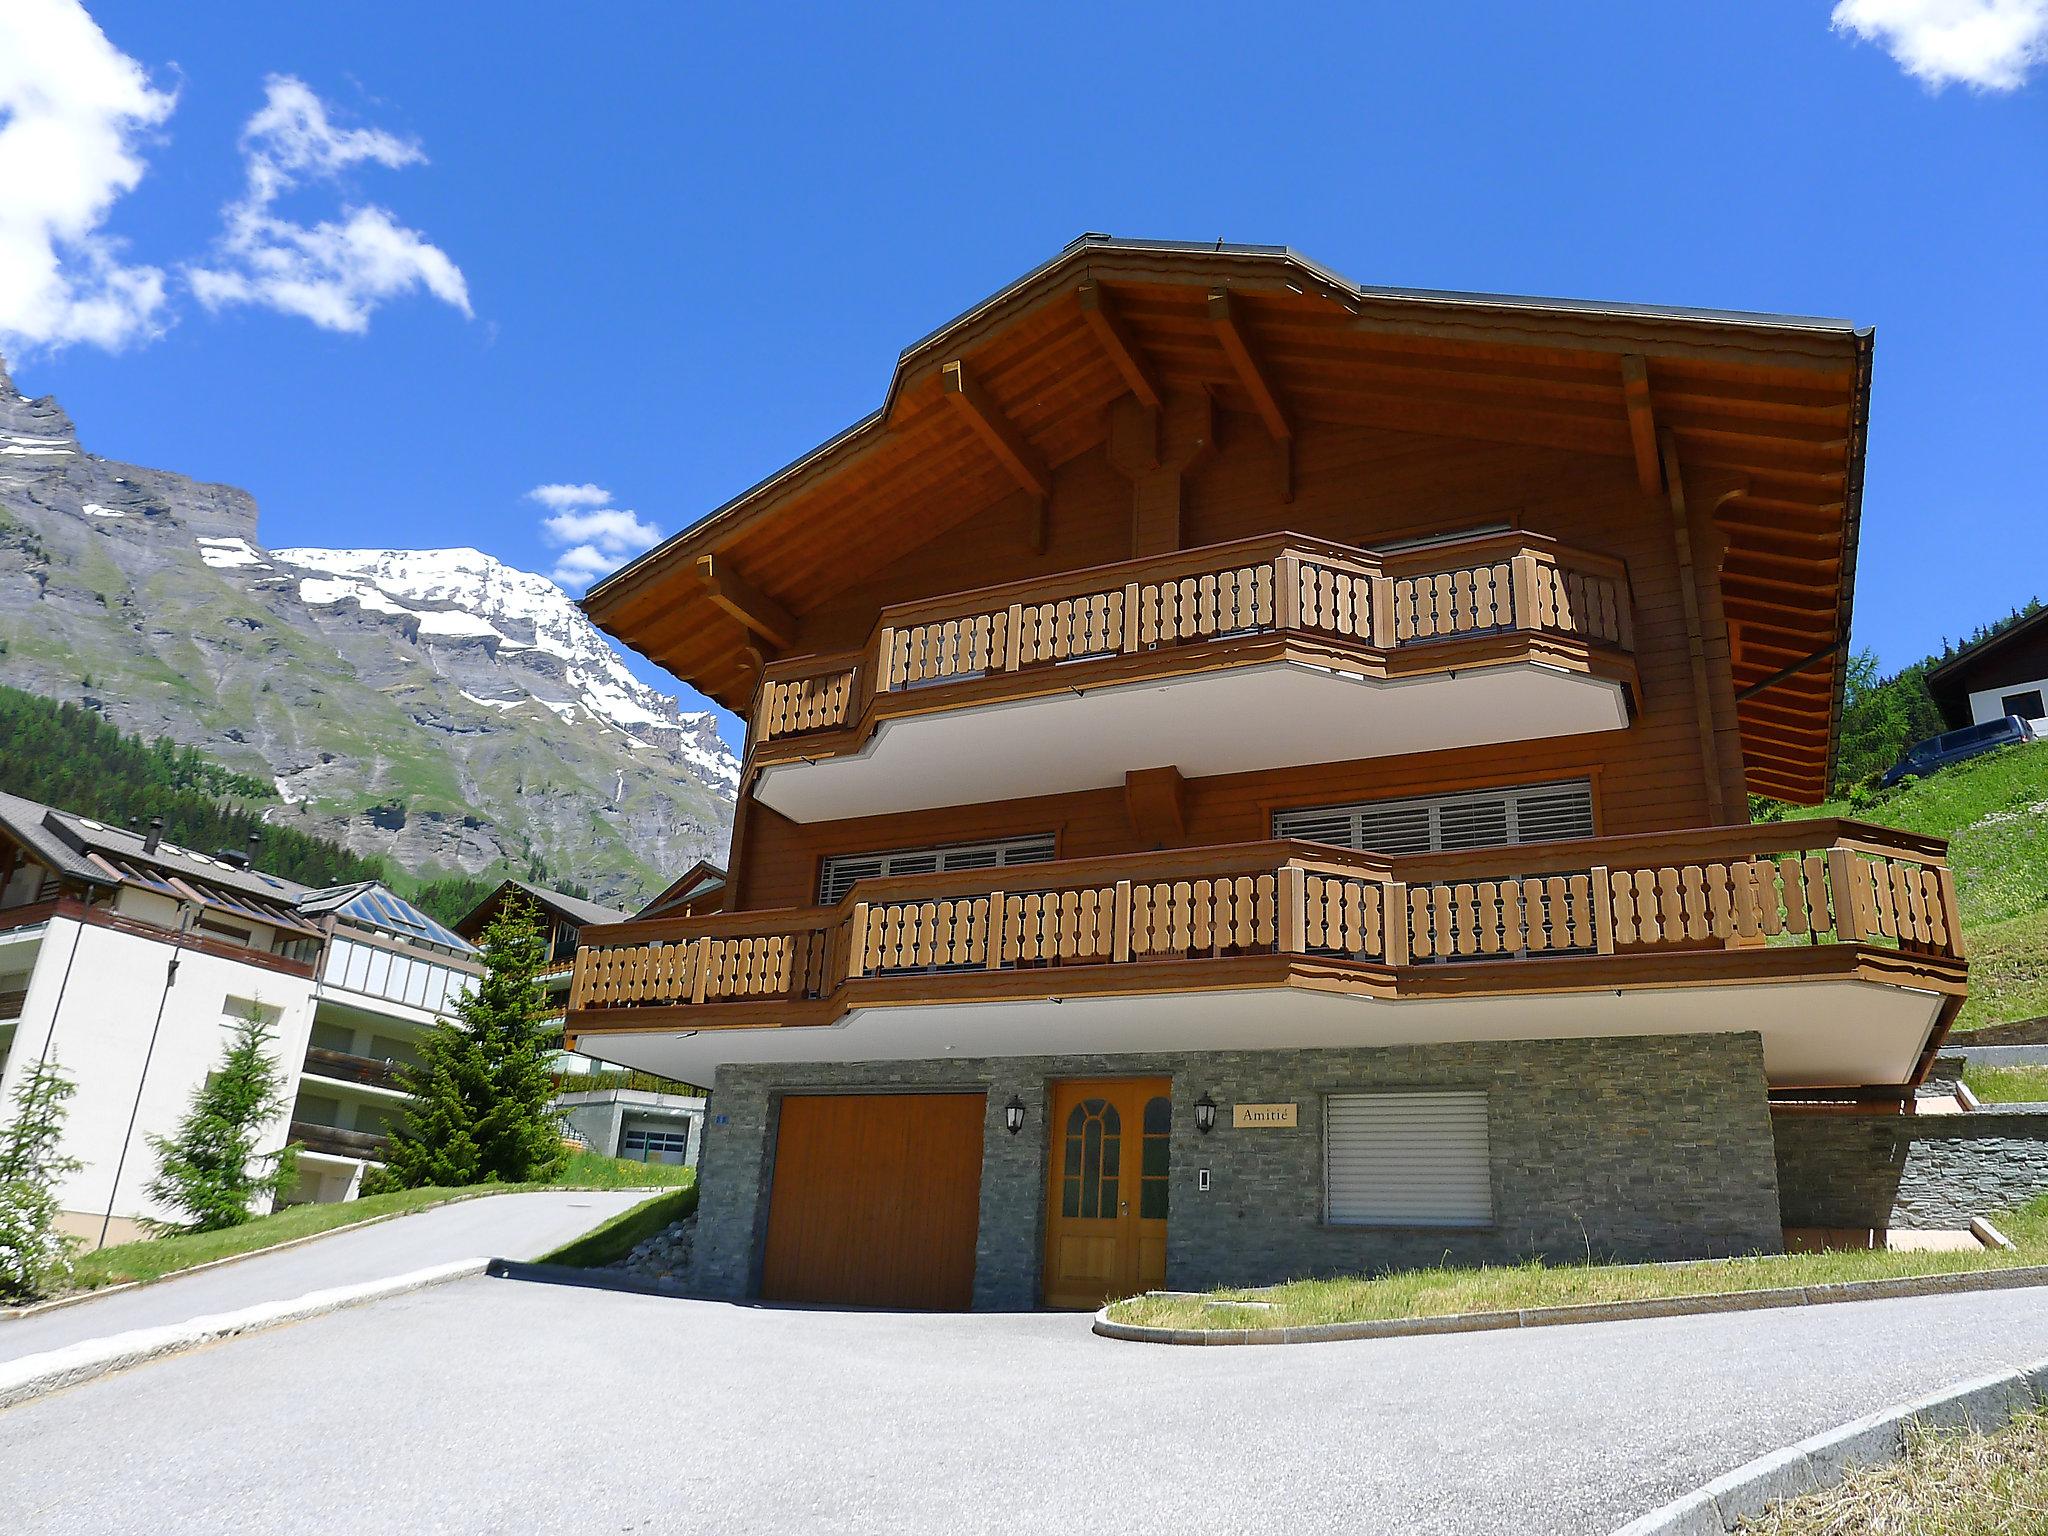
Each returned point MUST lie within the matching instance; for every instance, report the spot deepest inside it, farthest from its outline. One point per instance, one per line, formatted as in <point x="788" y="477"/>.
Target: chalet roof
<point x="370" y="905"/>
<point x="96" y="853"/>
<point x="1971" y="657"/>
<point x="575" y="909"/>
<point x="1766" y="414"/>
<point x="700" y="877"/>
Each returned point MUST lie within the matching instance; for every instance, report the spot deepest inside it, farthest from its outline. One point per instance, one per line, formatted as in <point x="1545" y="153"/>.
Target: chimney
<point x="156" y="834"/>
<point x="255" y="843"/>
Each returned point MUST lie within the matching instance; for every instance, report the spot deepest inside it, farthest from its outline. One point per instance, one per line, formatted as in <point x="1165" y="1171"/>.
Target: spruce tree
<point x="209" y="1170"/>
<point x="35" y="1257"/>
<point x="481" y="1092"/>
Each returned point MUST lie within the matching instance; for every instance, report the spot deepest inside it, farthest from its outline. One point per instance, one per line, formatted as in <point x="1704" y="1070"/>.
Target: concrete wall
<point x="601" y="1118"/>
<point x="101" y="1037"/>
<point x="1924" y="1171"/>
<point x="1621" y="1148"/>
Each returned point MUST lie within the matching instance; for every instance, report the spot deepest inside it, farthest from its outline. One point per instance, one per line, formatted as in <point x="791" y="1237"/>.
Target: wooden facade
<point x="1145" y="464"/>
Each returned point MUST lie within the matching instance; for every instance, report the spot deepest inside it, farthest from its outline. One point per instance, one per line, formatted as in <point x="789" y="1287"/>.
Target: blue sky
<point x="690" y="240"/>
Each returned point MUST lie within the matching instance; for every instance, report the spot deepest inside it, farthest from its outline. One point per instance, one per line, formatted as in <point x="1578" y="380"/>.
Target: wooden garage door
<point x="876" y="1200"/>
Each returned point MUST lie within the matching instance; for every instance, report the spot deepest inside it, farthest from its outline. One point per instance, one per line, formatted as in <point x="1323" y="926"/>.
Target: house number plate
<point x="1262" y="1117"/>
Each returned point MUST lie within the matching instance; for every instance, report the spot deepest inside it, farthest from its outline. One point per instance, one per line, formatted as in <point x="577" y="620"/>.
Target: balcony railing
<point x="1282" y="586"/>
<point x="1638" y="907"/>
<point x="336" y="1142"/>
<point x="348" y="1068"/>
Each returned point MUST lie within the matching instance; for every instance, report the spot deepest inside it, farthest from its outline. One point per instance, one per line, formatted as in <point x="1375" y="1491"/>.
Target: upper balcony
<point x="1838" y="942"/>
<point x="1312" y="652"/>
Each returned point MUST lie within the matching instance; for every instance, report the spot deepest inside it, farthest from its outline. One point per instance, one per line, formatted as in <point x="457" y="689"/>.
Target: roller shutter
<point x="1415" y="1159"/>
<point x="1485" y="818"/>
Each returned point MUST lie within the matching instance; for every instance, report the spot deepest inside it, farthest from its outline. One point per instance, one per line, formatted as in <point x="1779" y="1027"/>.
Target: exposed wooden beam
<point x="995" y="429"/>
<point x="1244" y="360"/>
<point x="1099" y="310"/>
<point x="1153" y="799"/>
<point x="1673" y="484"/>
<point x="754" y="609"/>
<point x="1642" y="423"/>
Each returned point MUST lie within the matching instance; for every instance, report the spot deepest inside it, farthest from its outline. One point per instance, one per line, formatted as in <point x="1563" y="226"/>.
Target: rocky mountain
<point x="434" y="706"/>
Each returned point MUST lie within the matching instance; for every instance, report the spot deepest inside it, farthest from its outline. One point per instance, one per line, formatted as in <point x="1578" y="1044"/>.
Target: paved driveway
<point x="497" y="1406"/>
<point x="522" y="1226"/>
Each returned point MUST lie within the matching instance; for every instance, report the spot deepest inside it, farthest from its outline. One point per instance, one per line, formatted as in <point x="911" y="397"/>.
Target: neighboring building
<point x="1247" y="778"/>
<point x="606" y="1108"/>
<point x="387" y="973"/>
<point x="126" y="959"/>
<point x="2006" y="674"/>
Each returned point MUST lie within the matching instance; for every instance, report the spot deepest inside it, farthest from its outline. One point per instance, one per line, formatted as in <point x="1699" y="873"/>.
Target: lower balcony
<point x="344" y="1067"/>
<point x="1837" y="942"/>
<point x="333" y="1141"/>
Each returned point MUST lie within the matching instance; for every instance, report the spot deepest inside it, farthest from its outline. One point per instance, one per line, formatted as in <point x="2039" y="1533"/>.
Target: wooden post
<point x="1394" y="914"/>
<point x="1016" y="658"/>
<point x="1603" y="911"/>
<point x="1292" y="925"/>
<point x="1848" y="924"/>
<point x="1130" y="616"/>
<point x="1287" y="592"/>
<point x="857" y="942"/>
<point x="1522" y="577"/>
<point x="1120" y="919"/>
<point x="700" y="974"/>
<point x="994" y="958"/>
<point x="577" y="972"/>
<point x="1382" y="634"/>
<point x="1945" y="882"/>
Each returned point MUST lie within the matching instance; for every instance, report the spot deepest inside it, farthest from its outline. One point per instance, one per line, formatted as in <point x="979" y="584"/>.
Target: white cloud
<point x="75" y="113"/>
<point x="336" y="272"/>
<point x="594" y="538"/>
<point x="1990" y="45"/>
<point x="561" y="497"/>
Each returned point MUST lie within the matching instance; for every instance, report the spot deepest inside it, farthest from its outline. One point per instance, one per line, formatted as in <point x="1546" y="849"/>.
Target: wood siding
<point x="1354" y="485"/>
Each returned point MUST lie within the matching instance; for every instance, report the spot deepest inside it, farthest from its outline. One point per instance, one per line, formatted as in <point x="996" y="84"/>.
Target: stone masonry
<point x="1926" y="1171"/>
<point x="1633" y="1149"/>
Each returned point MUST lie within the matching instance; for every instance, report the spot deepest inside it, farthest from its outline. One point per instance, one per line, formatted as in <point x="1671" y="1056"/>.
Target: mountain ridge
<point x="436" y="707"/>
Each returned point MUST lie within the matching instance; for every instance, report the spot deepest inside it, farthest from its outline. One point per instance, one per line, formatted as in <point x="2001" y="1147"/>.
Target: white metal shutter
<point x="1416" y="1159"/>
<point x="837" y="875"/>
<point x="1483" y="818"/>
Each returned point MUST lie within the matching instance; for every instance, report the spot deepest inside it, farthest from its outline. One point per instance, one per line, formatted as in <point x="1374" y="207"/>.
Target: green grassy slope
<point x="1994" y="812"/>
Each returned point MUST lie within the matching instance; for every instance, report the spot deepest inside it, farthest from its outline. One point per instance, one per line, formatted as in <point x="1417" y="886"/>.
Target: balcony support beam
<point x="1155" y="802"/>
<point x="1156" y="451"/>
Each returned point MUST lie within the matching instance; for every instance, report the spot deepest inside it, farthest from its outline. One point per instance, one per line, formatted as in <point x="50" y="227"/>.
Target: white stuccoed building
<point x="126" y="959"/>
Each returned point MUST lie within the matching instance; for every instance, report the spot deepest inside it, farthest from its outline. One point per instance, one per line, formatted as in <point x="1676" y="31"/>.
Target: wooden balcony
<point x="1507" y="637"/>
<point x="334" y="1141"/>
<point x="1865" y="913"/>
<point x="342" y="1066"/>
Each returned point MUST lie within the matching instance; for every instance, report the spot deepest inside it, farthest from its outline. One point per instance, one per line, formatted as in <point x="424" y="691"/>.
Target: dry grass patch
<point x="1949" y="1484"/>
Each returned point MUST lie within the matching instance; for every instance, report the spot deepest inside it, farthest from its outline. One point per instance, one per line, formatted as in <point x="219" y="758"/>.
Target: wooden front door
<point x="876" y="1200"/>
<point x="1105" y="1225"/>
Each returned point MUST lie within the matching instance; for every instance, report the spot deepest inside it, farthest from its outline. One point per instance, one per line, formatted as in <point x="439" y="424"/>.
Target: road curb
<point x="33" y="1376"/>
<point x="1984" y="1403"/>
<point x="1588" y="1312"/>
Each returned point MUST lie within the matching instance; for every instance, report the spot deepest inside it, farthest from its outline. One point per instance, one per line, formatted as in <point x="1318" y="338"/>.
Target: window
<point x="1529" y="813"/>
<point x="1154" y="1159"/>
<point x="1413" y="1159"/>
<point x="2026" y="705"/>
<point x="1088" y="1177"/>
<point x="838" y="874"/>
<point x="644" y="1144"/>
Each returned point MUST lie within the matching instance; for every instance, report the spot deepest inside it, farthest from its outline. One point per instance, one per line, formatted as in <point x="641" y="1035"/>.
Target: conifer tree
<point x="35" y="1257"/>
<point x="480" y="1092"/>
<point x="209" y="1170"/>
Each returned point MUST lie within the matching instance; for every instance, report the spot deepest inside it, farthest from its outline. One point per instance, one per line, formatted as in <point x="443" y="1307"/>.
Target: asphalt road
<point x="522" y="1226"/>
<point x="499" y="1406"/>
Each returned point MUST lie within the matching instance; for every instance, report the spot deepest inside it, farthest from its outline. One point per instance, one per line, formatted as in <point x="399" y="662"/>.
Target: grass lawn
<point x="2008" y="1085"/>
<point x="1444" y="1290"/>
<point x="619" y="1236"/>
<point x="2008" y="971"/>
<point x="151" y="1258"/>
<point x="1949" y="1483"/>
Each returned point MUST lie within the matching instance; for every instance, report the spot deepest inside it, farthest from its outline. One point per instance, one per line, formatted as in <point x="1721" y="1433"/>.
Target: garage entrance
<point x="876" y="1200"/>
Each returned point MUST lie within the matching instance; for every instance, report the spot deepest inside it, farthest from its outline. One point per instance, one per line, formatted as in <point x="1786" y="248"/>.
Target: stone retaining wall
<point x="1924" y="1171"/>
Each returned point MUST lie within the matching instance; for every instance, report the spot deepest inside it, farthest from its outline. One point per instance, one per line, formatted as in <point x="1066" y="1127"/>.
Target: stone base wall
<point x="1933" y="1171"/>
<point x="1629" y="1149"/>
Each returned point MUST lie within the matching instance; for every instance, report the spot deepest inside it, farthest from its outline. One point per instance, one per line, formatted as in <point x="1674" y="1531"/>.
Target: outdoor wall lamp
<point x="1013" y="1114"/>
<point x="1205" y="1114"/>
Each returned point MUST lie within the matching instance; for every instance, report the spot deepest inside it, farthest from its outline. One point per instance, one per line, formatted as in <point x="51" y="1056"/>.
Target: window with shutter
<point x="1483" y="818"/>
<point x="1413" y="1159"/>
<point x="839" y="873"/>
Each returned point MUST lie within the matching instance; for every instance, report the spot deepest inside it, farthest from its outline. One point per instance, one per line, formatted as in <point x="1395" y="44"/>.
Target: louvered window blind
<point x="1415" y="1159"/>
<point x="1530" y="813"/>
<point x="838" y="874"/>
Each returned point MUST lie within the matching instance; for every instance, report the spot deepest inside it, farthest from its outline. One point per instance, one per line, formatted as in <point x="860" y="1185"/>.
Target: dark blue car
<point x="1938" y="752"/>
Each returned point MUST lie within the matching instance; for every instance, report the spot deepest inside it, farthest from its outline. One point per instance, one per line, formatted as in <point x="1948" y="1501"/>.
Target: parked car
<point x="1938" y="752"/>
